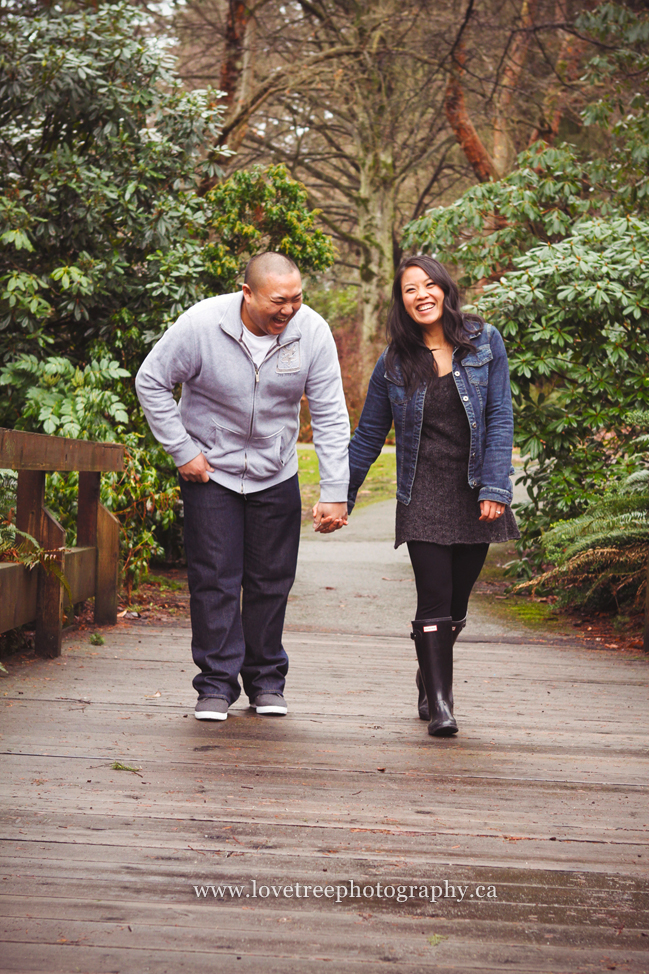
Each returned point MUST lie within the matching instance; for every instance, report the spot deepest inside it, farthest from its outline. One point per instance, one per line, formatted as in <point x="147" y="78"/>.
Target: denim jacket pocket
<point x="397" y="393"/>
<point x="477" y="365"/>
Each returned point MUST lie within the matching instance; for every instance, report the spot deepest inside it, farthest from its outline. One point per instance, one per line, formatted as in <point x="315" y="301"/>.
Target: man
<point x="245" y="360"/>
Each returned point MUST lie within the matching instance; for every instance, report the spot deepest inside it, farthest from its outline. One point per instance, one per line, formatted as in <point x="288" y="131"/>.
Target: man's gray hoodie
<point x="244" y="418"/>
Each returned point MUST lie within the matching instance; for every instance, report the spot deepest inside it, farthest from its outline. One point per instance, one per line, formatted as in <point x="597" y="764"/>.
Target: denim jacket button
<point x="466" y="398"/>
<point x="457" y="373"/>
<point x="474" y="425"/>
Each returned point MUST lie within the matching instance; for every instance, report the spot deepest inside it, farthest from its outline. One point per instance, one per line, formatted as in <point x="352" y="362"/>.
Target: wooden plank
<point x="35" y="451"/>
<point x="80" y="566"/>
<point x="646" y="613"/>
<point x="543" y="795"/>
<point x="318" y="956"/>
<point x="18" y="595"/>
<point x="19" y="586"/>
<point x="89" y="486"/>
<point x="107" y="567"/>
<point x="346" y="937"/>
<point x="49" y="608"/>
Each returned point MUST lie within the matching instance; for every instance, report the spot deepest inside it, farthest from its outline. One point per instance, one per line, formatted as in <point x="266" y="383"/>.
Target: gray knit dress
<point x="443" y="508"/>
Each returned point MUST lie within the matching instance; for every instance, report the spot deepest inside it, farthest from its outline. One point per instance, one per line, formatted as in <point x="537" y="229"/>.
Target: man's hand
<point x="491" y="510"/>
<point x="196" y="470"/>
<point x="329" y="517"/>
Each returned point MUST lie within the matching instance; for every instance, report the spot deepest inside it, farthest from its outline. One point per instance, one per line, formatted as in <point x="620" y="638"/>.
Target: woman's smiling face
<point x="422" y="298"/>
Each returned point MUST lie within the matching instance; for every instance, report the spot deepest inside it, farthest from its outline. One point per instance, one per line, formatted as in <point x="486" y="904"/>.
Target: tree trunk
<point x="376" y="218"/>
<point x="465" y="132"/>
<point x="503" y="148"/>
<point x="233" y="58"/>
<point x="235" y="80"/>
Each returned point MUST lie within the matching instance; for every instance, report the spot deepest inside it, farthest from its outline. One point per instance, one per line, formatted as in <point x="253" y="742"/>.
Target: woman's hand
<point x="491" y="510"/>
<point x="329" y="517"/>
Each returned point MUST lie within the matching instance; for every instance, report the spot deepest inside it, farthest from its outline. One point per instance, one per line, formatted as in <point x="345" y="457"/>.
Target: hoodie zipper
<point x="270" y="352"/>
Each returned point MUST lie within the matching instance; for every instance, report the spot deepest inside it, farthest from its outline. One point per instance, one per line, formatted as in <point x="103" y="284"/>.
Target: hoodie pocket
<point x="264" y="455"/>
<point x="227" y="449"/>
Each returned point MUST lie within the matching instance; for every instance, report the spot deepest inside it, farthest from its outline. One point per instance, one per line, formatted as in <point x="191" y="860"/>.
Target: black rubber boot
<point x="422" y="703"/>
<point x="434" y="644"/>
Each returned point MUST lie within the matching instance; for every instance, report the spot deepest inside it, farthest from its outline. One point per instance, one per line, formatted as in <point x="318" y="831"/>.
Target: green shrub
<point x="600" y="558"/>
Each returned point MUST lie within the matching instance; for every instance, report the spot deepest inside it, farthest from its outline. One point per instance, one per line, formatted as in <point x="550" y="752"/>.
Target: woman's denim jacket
<point x="482" y="380"/>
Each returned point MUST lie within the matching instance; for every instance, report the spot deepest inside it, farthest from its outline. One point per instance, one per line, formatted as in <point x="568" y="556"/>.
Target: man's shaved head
<point x="261" y="267"/>
<point x="271" y="294"/>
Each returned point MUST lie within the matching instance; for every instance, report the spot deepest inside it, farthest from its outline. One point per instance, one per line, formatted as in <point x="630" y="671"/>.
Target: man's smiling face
<point x="268" y="308"/>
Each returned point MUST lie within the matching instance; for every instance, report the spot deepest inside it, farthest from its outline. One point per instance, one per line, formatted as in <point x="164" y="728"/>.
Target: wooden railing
<point x="91" y="567"/>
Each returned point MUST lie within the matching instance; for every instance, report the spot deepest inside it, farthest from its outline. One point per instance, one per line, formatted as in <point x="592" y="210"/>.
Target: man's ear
<point x="247" y="293"/>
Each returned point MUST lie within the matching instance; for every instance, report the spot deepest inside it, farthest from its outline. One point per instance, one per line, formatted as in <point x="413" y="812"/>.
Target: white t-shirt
<point x="258" y="345"/>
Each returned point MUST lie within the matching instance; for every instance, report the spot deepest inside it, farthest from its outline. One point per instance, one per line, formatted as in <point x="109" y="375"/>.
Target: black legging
<point x="445" y="575"/>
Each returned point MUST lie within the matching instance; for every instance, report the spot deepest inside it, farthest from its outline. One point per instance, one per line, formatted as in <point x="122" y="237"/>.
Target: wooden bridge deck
<point x="544" y="797"/>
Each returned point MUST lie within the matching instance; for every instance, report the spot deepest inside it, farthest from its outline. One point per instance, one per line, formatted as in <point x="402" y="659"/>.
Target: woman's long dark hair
<point x="405" y="336"/>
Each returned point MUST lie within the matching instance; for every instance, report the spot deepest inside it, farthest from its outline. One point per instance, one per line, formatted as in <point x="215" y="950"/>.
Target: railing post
<point x="49" y="614"/>
<point x="32" y="518"/>
<point x="87" y="510"/>
<point x="89" y="483"/>
<point x="107" y="567"/>
<point x="30" y="500"/>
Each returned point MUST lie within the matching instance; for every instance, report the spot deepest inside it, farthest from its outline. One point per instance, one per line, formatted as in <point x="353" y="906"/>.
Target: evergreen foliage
<point x="575" y="315"/>
<point x="100" y="154"/>
<point x="558" y="253"/>
<point x="105" y="238"/>
<point x="600" y="557"/>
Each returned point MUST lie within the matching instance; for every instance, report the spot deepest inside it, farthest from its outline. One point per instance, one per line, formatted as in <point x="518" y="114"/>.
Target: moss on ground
<point x="491" y="592"/>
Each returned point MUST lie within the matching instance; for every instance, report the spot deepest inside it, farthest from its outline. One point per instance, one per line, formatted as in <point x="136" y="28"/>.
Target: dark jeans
<point x="241" y="557"/>
<point x="444" y="576"/>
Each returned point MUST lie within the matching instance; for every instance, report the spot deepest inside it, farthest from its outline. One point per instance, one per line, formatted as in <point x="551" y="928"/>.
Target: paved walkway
<point x="355" y="581"/>
<point x="521" y="844"/>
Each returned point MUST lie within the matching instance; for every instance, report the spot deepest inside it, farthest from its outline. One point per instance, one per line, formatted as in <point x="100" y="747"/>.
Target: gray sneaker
<point x="211" y="708"/>
<point x="270" y="703"/>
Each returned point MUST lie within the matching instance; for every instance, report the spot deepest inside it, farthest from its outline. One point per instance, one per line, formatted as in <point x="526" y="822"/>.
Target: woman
<point x="444" y="381"/>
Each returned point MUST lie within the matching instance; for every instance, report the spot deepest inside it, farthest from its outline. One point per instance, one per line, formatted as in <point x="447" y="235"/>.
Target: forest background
<point x="147" y="151"/>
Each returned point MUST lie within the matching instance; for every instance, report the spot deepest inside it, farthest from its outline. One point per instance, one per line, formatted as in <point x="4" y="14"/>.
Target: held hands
<point x="196" y="470"/>
<point x="491" y="510"/>
<point x="326" y="517"/>
<point x="329" y="517"/>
